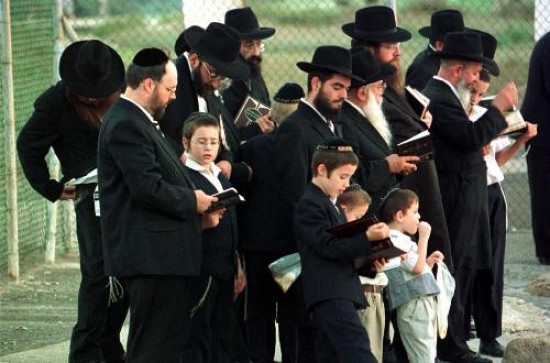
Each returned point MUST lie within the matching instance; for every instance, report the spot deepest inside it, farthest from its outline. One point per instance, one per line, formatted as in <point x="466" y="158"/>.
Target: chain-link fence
<point x="301" y="25"/>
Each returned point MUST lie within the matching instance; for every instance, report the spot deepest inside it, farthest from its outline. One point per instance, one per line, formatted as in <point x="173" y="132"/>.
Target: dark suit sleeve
<point x="451" y="122"/>
<point x="35" y="139"/>
<point x="249" y="131"/>
<point x="417" y="76"/>
<point x="147" y="169"/>
<point x="310" y="224"/>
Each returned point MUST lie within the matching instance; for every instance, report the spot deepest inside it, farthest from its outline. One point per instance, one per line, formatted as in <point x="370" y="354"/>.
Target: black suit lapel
<point x="391" y="96"/>
<point x="316" y="122"/>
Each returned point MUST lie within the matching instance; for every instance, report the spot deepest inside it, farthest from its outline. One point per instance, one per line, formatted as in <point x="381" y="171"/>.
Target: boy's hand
<point x="378" y="265"/>
<point x="378" y="231"/>
<point x="240" y="279"/>
<point x="424" y="230"/>
<point x="435" y="257"/>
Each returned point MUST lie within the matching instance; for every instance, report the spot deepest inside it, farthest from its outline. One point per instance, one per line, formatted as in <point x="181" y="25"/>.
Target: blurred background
<point x="35" y="32"/>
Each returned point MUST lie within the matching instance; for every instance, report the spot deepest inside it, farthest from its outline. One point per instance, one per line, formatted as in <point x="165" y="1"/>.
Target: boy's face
<point x="204" y="145"/>
<point x="355" y="212"/>
<point x="337" y="182"/>
<point x="409" y="219"/>
<point x="478" y="90"/>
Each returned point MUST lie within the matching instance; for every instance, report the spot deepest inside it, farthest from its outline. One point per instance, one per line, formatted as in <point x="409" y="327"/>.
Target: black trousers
<point x="538" y="169"/>
<point x="159" y="318"/>
<point x="211" y="321"/>
<point x="341" y="336"/>
<point x="266" y="303"/>
<point x="96" y="334"/>
<point x="488" y="288"/>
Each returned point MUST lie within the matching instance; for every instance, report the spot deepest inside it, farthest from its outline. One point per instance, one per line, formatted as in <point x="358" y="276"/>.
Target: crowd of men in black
<point x="182" y="270"/>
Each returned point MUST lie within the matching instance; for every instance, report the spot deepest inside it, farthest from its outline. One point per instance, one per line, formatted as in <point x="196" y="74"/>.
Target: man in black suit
<point x="67" y="118"/>
<point x="252" y="35"/>
<point x="205" y="58"/>
<point x="536" y="109"/>
<point x="150" y="212"/>
<point x="375" y="28"/>
<point x="366" y="128"/>
<point x="426" y="64"/>
<point x="462" y="172"/>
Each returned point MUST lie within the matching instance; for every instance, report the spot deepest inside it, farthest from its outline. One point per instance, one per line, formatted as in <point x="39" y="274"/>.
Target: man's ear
<point x="149" y="85"/>
<point x="362" y="93"/>
<point x="315" y="83"/>
<point x="193" y="60"/>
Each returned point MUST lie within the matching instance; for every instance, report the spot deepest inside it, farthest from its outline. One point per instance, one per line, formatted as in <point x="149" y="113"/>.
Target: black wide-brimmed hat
<point x="330" y="58"/>
<point x="376" y="24"/>
<point x="489" y="46"/>
<point x="91" y="69"/>
<point x="366" y="67"/>
<point x="443" y="22"/>
<point x="464" y="45"/>
<point x="244" y="21"/>
<point x="218" y="45"/>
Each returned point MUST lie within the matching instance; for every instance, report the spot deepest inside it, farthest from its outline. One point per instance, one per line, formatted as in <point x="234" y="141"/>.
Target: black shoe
<point x="472" y="357"/>
<point x="544" y="260"/>
<point x="491" y="347"/>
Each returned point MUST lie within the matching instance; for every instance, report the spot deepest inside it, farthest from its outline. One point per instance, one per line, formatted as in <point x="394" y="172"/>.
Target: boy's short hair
<point x="333" y="154"/>
<point x="354" y="196"/>
<point x="396" y="200"/>
<point x="196" y="120"/>
<point x="484" y="75"/>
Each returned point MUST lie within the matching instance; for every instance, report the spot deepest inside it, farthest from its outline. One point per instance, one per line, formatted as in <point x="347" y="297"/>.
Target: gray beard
<point x="375" y="115"/>
<point x="464" y="95"/>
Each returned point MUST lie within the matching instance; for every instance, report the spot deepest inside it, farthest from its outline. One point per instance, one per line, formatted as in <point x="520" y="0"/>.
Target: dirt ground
<point x="40" y="309"/>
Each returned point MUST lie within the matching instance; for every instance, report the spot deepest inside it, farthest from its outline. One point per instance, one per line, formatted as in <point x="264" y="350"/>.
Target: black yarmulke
<point x="289" y="93"/>
<point x="150" y="57"/>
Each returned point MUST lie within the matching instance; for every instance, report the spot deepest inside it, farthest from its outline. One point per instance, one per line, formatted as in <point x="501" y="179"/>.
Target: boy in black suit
<point x="332" y="289"/>
<point x="212" y="292"/>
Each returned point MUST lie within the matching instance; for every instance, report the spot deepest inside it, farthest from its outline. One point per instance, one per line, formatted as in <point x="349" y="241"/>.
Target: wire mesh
<point x="301" y="25"/>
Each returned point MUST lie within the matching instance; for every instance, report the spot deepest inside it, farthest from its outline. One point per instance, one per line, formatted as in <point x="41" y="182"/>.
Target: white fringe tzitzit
<point x="116" y="292"/>
<point x="202" y="299"/>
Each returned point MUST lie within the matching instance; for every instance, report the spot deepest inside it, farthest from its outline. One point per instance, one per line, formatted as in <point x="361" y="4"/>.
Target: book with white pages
<point x="419" y="145"/>
<point x="417" y="100"/>
<point x="90" y="178"/>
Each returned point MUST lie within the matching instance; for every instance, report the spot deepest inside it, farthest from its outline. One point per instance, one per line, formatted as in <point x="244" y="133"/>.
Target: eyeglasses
<point x="205" y="143"/>
<point x="390" y="46"/>
<point x="170" y="89"/>
<point x="382" y="85"/>
<point x="249" y="46"/>
<point x="212" y="73"/>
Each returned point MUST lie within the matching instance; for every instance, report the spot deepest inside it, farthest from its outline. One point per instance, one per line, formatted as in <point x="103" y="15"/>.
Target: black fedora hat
<point x="91" y="69"/>
<point x="366" y="67"/>
<point x="489" y="45"/>
<point x="244" y="21"/>
<point x="376" y="24"/>
<point x="443" y="22"/>
<point x="464" y="45"/>
<point x="218" y="45"/>
<point x="330" y="58"/>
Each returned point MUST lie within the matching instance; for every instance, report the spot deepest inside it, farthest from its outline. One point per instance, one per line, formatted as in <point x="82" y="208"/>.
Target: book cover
<point x="226" y="198"/>
<point x="351" y="228"/>
<point x="417" y="100"/>
<point x="419" y="145"/>
<point x="250" y="111"/>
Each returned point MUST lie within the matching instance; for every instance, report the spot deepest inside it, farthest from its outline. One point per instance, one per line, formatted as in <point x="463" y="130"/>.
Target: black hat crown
<point x="366" y="67"/>
<point x="245" y="22"/>
<point x="218" y="45"/>
<point x="329" y="58"/>
<point x="464" y="45"/>
<point x="489" y="46"/>
<point x="443" y="22"/>
<point x="91" y="69"/>
<point x="376" y="24"/>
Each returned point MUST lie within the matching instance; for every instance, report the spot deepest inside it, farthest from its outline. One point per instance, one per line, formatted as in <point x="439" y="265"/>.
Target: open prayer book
<point x="419" y="145"/>
<point x="514" y="119"/>
<point x="226" y="198"/>
<point x="250" y="111"/>
<point x="90" y="178"/>
<point x="417" y="100"/>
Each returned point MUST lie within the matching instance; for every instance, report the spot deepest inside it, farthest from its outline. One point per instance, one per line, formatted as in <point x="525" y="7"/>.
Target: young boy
<point x="412" y="286"/>
<point x="355" y="203"/>
<point x="332" y="289"/>
<point x="214" y="289"/>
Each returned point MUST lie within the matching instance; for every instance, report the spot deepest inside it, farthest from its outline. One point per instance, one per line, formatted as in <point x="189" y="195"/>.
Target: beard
<point x="157" y="108"/>
<point x="464" y="95"/>
<point x="395" y="81"/>
<point x="202" y="88"/>
<point x="255" y="63"/>
<point x="375" y="115"/>
<point x="325" y="106"/>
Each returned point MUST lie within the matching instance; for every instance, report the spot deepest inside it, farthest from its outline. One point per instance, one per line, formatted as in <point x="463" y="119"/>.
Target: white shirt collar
<point x="192" y="164"/>
<point x="453" y="88"/>
<point x="149" y="116"/>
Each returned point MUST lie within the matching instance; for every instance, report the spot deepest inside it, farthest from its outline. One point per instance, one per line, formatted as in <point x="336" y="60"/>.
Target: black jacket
<point x="423" y="67"/>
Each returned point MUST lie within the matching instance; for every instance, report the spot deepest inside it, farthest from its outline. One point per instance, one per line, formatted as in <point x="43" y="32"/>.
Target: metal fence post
<point x="9" y="140"/>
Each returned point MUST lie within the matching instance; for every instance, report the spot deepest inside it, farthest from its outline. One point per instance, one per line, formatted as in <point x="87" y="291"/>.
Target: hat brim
<point x="386" y="70"/>
<point x="492" y="67"/>
<point x="426" y="31"/>
<point x="462" y="56"/>
<point x="83" y="86"/>
<point x="399" y="35"/>
<point x="258" y="33"/>
<point x="236" y="69"/>
<point x="310" y="67"/>
<point x="181" y="46"/>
